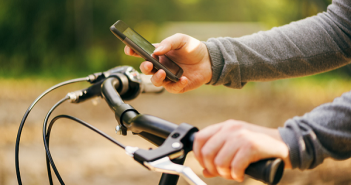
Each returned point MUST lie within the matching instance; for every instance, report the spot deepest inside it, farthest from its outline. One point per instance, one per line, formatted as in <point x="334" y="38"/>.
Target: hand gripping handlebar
<point x="180" y="142"/>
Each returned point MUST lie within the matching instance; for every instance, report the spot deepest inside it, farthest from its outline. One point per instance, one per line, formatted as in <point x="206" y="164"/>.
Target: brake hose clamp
<point x="74" y="96"/>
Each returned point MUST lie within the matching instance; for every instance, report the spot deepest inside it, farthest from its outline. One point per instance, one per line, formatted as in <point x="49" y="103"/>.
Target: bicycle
<point x="174" y="141"/>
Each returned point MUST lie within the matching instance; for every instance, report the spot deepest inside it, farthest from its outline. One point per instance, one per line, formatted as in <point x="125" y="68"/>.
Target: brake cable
<point x="49" y="159"/>
<point x="19" y="132"/>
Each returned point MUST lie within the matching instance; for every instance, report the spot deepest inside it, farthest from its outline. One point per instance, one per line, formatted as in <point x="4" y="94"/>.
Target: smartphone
<point x="145" y="49"/>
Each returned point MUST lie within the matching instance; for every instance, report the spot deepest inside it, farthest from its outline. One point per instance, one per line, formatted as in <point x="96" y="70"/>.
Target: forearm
<point x="324" y="132"/>
<point x="313" y="45"/>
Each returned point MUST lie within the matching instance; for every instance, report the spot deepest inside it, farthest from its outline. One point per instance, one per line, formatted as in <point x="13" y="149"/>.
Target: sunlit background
<point x="45" y="42"/>
<point x="72" y="38"/>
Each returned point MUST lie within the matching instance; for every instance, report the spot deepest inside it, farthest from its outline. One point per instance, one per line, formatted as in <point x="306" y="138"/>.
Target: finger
<point x="207" y="174"/>
<point x="177" y="87"/>
<point x="201" y="138"/>
<point x="129" y="51"/>
<point x="146" y="67"/>
<point x="240" y="162"/>
<point x="158" y="78"/>
<point x="224" y="157"/>
<point x="210" y="150"/>
<point x="173" y="42"/>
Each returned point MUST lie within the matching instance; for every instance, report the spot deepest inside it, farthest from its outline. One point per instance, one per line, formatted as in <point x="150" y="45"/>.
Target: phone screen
<point x="149" y="48"/>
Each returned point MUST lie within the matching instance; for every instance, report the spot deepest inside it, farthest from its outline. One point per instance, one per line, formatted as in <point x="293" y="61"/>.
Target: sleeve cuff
<point x="289" y="139"/>
<point x="216" y="61"/>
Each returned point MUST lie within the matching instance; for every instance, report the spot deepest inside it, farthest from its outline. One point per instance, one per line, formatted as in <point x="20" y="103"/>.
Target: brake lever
<point x="165" y="165"/>
<point x="177" y="145"/>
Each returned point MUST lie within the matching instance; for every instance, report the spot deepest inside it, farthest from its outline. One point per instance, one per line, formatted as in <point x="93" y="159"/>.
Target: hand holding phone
<point x="191" y="55"/>
<point x="145" y="49"/>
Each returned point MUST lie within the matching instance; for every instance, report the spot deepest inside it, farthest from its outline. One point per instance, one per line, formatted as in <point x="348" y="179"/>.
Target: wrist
<point x="207" y="63"/>
<point x="215" y="60"/>
<point x="282" y="147"/>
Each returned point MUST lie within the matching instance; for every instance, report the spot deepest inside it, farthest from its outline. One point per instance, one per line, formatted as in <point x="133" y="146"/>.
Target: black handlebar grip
<point x="269" y="171"/>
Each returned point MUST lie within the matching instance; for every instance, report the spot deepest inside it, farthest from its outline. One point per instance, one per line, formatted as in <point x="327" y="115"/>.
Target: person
<point x="309" y="46"/>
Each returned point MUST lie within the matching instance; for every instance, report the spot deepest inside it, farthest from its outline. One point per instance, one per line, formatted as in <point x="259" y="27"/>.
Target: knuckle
<point x="200" y="137"/>
<point x="228" y="177"/>
<point x="181" y="91"/>
<point x="179" y="35"/>
<point x="224" y="172"/>
<point x="233" y="124"/>
<point x="249" y="146"/>
<point x="249" y="150"/>
<point x="244" y="136"/>
<point x="155" y="82"/>
<point x="206" y="153"/>
<point x="220" y="163"/>
<point x="235" y="170"/>
<point x="176" y="89"/>
<point x="183" y="38"/>
<point x="243" y="133"/>
<point x="157" y="85"/>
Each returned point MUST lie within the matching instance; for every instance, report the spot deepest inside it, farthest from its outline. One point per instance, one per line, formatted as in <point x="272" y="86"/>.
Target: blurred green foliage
<point x="61" y="38"/>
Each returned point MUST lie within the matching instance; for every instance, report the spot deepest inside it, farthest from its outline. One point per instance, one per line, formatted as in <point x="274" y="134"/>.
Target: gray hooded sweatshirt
<point x="309" y="46"/>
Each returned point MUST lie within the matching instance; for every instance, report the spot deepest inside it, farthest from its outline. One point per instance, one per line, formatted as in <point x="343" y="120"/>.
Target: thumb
<point x="173" y="42"/>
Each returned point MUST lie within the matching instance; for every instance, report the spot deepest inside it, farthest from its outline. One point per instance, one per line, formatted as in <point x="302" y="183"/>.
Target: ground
<point x="83" y="157"/>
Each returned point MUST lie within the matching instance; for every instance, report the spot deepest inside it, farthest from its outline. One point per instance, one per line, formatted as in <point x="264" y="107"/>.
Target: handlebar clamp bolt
<point x="119" y="129"/>
<point x="176" y="145"/>
<point x="175" y="135"/>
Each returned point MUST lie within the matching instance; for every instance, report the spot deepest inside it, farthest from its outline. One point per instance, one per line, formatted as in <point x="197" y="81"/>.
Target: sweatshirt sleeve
<point x="309" y="46"/>
<point x="323" y="132"/>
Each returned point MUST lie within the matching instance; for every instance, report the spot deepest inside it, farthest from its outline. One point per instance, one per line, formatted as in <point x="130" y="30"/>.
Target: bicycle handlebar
<point x="157" y="131"/>
<point x="268" y="170"/>
<point x="174" y="141"/>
